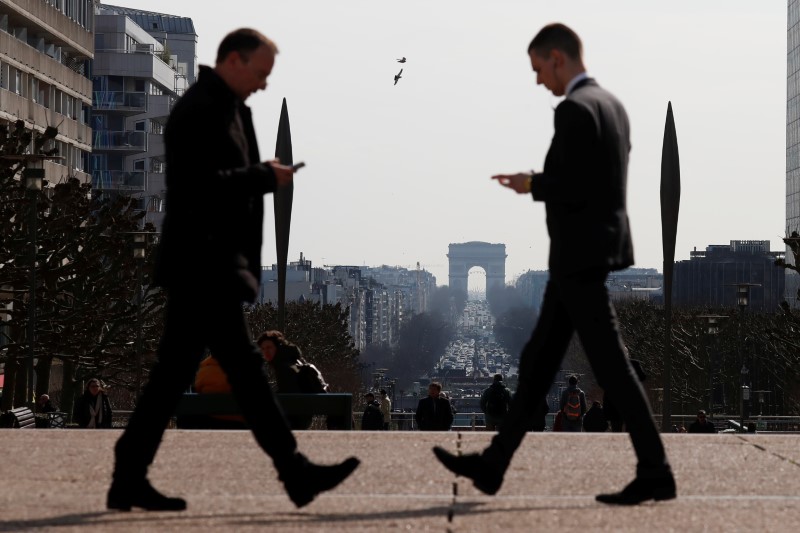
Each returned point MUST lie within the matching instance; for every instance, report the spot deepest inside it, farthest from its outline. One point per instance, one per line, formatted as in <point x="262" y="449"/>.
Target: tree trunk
<point x="68" y="387"/>
<point x="10" y="382"/>
<point x="43" y="367"/>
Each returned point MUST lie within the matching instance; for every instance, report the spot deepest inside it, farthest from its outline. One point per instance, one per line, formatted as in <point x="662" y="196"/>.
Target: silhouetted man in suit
<point x="583" y="186"/>
<point x="209" y="262"/>
<point x="434" y="413"/>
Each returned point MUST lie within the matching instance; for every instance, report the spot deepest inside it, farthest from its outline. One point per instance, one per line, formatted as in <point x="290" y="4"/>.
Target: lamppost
<point x="743" y="300"/>
<point x="712" y="327"/>
<point x="32" y="178"/>
<point x="139" y="252"/>
<point x="139" y="255"/>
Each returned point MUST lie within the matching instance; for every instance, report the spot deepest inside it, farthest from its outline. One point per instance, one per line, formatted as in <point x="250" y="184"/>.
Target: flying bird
<point x="402" y="60"/>
<point x="397" y="76"/>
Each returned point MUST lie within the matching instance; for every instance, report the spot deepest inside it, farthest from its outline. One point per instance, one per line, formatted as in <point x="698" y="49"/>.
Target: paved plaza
<point x="55" y="480"/>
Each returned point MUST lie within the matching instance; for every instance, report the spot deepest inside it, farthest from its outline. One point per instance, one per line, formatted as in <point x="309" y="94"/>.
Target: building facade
<point x="792" y="139"/>
<point x="709" y="277"/>
<point x="143" y="62"/>
<point x="45" y="51"/>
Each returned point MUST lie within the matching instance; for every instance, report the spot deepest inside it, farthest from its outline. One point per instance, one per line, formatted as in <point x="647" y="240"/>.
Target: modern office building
<point x="709" y="278"/>
<point x="792" y="139"/>
<point x="143" y="62"/>
<point x="45" y="50"/>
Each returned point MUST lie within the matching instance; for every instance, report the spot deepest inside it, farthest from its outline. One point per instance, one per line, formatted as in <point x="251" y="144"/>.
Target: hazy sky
<point x="396" y="173"/>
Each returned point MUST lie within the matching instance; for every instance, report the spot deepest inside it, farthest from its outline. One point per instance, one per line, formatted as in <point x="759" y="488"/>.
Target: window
<point x="139" y="164"/>
<point x="139" y="125"/>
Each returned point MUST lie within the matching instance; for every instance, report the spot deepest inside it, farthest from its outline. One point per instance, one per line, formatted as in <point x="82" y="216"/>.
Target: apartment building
<point x="143" y="62"/>
<point x="45" y="51"/>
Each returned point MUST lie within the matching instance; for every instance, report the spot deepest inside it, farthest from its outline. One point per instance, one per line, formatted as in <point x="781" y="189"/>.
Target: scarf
<point x="96" y="412"/>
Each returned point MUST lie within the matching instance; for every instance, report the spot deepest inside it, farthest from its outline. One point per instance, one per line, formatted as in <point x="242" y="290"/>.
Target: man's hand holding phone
<point x="284" y="174"/>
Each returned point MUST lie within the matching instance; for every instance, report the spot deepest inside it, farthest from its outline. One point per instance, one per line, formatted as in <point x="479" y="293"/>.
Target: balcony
<point x="119" y="180"/>
<point x="124" y="102"/>
<point x="119" y="141"/>
<point x="159" y="106"/>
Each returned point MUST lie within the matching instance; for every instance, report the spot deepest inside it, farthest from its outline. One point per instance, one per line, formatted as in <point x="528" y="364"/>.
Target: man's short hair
<point x="701" y="413"/>
<point x="498" y="377"/>
<point x="369" y="395"/>
<point x="573" y="380"/>
<point x="383" y="391"/>
<point x="436" y="385"/>
<point x="557" y="36"/>
<point x="244" y="41"/>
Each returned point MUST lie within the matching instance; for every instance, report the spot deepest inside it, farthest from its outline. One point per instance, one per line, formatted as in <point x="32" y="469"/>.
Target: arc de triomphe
<point x="490" y="257"/>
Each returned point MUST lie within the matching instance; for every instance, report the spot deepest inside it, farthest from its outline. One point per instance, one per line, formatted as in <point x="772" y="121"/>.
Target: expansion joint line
<point x="763" y="449"/>
<point x="451" y="511"/>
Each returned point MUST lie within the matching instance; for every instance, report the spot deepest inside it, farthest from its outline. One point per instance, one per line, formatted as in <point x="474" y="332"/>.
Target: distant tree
<point x="513" y="328"/>
<point x="448" y="303"/>
<point x="771" y="354"/>
<point x="422" y="340"/>
<point x="85" y="279"/>
<point x="501" y="299"/>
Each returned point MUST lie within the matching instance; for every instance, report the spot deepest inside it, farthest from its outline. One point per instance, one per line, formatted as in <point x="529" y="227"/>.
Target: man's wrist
<point x="528" y="183"/>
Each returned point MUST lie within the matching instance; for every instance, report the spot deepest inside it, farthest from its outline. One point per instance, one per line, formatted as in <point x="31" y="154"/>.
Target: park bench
<point x="298" y="404"/>
<point x="23" y="418"/>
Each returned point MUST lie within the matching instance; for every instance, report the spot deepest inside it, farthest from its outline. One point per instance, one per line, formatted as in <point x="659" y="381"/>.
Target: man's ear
<point x="557" y="56"/>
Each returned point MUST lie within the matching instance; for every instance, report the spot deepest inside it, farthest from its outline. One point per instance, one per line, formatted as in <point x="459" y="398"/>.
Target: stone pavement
<point x="55" y="480"/>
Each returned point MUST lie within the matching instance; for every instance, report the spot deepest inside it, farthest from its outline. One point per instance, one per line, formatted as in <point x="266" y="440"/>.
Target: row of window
<point x="29" y="86"/>
<point x="41" y="43"/>
<point x="79" y="11"/>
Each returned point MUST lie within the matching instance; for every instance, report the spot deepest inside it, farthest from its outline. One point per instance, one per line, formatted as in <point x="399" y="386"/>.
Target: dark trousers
<point x="194" y="322"/>
<point x="580" y="303"/>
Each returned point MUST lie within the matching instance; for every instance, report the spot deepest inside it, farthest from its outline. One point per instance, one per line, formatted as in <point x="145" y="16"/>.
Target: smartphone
<point x="298" y="166"/>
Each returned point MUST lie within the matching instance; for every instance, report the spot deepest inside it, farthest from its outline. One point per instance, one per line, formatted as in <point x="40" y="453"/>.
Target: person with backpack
<point x="495" y="401"/>
<point x="292" y="372"/>
<point x="573" y="406"/>
<point x="372" y="419"/>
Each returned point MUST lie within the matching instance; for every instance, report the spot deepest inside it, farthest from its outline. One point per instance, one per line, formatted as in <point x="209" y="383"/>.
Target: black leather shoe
<point x="124" y="495"/>
<point x="484" y="476"/>
<point x="304" y="483"/>
<point x="640" y="490"/>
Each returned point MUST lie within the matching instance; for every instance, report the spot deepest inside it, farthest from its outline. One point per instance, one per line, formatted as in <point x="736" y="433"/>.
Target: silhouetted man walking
<point x="583" y="185"/>
<point x="209" y="262"/>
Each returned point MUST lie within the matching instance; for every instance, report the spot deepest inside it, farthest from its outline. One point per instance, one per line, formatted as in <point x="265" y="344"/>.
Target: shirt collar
<point x="575" y="81"/>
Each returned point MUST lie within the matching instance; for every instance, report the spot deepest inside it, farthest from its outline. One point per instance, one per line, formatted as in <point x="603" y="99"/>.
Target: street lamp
<point x="743" y="300"/>
<point x="32" y="178"/>
<point x="712" y="327"/>
<point x="139" y="255"/>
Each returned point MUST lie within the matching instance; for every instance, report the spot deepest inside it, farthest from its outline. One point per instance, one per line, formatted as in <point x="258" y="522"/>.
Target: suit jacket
<point x="583" y="184"/>
<point x="215" y="181"/>
<point x="430" y="419"/>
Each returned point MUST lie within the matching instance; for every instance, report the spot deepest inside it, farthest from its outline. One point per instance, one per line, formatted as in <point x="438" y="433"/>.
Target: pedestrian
<point x="209" y="267"/>
<point x="284" y="360"/>
<point x="44" y="405"/>
<point x="594" y="421"/>
<point x="495" y="401"/>
<point x="372" y="419"/>
<point x="573" y="406"/>
<point x="702" y="424"/>
<point x="386" y="409"/>
<point x="583" y="185"/>
<point x="433" y="412"/>
<point x="93" y="408"/>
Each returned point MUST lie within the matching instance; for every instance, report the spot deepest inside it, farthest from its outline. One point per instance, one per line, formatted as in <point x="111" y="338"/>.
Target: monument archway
<point x="490" y="257"/>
